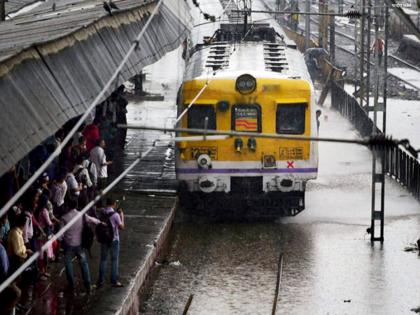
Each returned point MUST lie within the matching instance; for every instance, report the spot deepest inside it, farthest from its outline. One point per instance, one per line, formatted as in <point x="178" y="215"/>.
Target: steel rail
<point x="278" y="282"/>
<point x="389" y="55"/>
<point x="389" y="73"/>
<point x="188" y="304"/>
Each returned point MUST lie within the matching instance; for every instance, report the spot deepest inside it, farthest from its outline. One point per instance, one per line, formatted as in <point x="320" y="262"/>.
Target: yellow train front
<point x="252" y="86"/>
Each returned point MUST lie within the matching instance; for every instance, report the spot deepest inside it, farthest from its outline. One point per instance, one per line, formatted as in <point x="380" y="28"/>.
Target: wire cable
<point x="61" y="232"/>
<point x="213" y="75"/>
<point x="101" y="94"/>
<point x="379" y="141"/>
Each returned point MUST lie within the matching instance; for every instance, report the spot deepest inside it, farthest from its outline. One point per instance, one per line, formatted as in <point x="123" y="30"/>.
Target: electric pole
<point x="320" y="24"/>
<point x="332" y="37"/>
<point x="380" y="48"/>
<point x="323" y="25"/>
<point x="363" y="56"/>
<point x="308" y="25"/>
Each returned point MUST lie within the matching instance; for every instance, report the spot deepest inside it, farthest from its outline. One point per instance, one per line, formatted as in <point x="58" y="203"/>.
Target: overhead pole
<point x="332" y="38"/>
<point x="356" y="55"/>
<point x="245" y="17"/>
<point x="340" y="6"/>
<point x="320" y="24"/>
<point x="368" y="50"/>
<point x="278" y="8"/>
<point x="379" y="106"/>
<point x="324" y="24"/>
<point x="307" y="24"/>
<point x="362" y="52"/>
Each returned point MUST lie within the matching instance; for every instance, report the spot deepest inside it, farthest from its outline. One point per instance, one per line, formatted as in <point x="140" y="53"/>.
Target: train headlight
<point x="246" y="84"/>
<point x="252" y="144"/>
<point x="207" y="184"/>
<point x="285" y="184"/>
<point x="204" y="161"/>
<point x="238" y="144"/>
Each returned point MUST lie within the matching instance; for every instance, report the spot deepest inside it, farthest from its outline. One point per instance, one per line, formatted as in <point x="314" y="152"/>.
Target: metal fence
<point x="399" y="164"/>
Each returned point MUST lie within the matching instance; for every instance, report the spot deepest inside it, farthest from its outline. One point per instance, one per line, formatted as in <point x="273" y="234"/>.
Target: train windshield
<point x="290" y="118"/>
<point x="246" y="118"/>
<point x="197" y="115"/>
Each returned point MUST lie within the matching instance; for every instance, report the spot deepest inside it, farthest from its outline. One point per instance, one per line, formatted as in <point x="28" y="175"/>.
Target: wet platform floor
<point x="147" y="196"/>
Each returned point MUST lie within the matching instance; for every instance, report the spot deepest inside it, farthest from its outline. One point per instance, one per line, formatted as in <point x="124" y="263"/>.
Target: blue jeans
<point x="114" y="248"/>
<point x="69" y="253"/>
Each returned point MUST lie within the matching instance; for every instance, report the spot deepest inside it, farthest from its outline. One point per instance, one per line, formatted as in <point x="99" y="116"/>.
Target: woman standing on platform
<point x="43" y="217"/>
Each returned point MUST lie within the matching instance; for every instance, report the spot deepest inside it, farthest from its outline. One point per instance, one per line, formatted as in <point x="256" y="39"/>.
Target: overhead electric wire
<point x="61" y="232"/>
<point x="353" y="14"/>
<point x="69" y="136"/>
<point x="373" y="141"/>
<point x="208" y="79"/>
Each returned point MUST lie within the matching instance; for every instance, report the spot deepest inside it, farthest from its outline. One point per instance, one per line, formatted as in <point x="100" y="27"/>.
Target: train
<point x="246" y="77"/>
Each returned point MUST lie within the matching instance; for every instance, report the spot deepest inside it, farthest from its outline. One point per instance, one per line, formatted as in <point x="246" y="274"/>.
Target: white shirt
<point x="97" y="156"/>
<point x="72" y="184"/>
<point x="28" y="229"/>
<point x="84" y="172"/>
<point x="58" y="192"/>
<point x="93" y="174"/>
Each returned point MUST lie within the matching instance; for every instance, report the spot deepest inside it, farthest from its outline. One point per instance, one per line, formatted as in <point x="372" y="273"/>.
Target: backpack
<point x="87" y="236"/>
<point x="105" y="233"/>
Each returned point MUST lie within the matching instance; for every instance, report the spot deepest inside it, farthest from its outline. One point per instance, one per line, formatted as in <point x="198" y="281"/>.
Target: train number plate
<point x="286" y="153"/>
<point x="210" y="151"/>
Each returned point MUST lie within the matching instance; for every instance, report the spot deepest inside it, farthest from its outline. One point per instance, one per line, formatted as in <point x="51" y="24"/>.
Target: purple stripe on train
<point x="248" y="170"/>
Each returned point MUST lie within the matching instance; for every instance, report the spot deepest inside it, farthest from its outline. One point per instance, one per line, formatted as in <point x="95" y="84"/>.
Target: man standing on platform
<point x="72" y="244"/>
<point x="116" y="219"/>
<point x="98" y="157"/>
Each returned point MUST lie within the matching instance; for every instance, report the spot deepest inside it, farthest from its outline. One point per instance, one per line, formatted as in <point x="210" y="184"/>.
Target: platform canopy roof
<point x="13" y="6"/>
<point x="56" y="58"/>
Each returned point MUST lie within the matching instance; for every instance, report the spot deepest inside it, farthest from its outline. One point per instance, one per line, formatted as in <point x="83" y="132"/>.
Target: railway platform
<point x="148" y="215"/>
<point x="148" y="198"/>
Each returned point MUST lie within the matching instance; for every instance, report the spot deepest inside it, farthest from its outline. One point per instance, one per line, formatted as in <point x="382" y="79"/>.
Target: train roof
<point x="261" y="59"/>
<point x="229" y="59"/>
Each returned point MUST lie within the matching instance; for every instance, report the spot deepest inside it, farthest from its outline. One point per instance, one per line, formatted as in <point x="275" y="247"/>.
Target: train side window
<point x="197" y="115"/>
<point x="290" y="118"/>
<point x="246" y="118"/>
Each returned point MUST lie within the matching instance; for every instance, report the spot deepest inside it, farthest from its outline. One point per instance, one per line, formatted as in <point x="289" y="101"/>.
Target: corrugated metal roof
<point x="12" y="6"/>
<point x="53" y="65"/>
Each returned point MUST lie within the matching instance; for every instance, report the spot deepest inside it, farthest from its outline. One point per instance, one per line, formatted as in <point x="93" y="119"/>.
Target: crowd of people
<point x="71" y="181"/>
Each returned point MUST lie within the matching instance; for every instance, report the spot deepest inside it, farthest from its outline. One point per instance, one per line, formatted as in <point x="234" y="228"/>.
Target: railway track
<point x="372" y="64"/>
<point x="348" y="51"/>
<point x="390" y="56"/>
